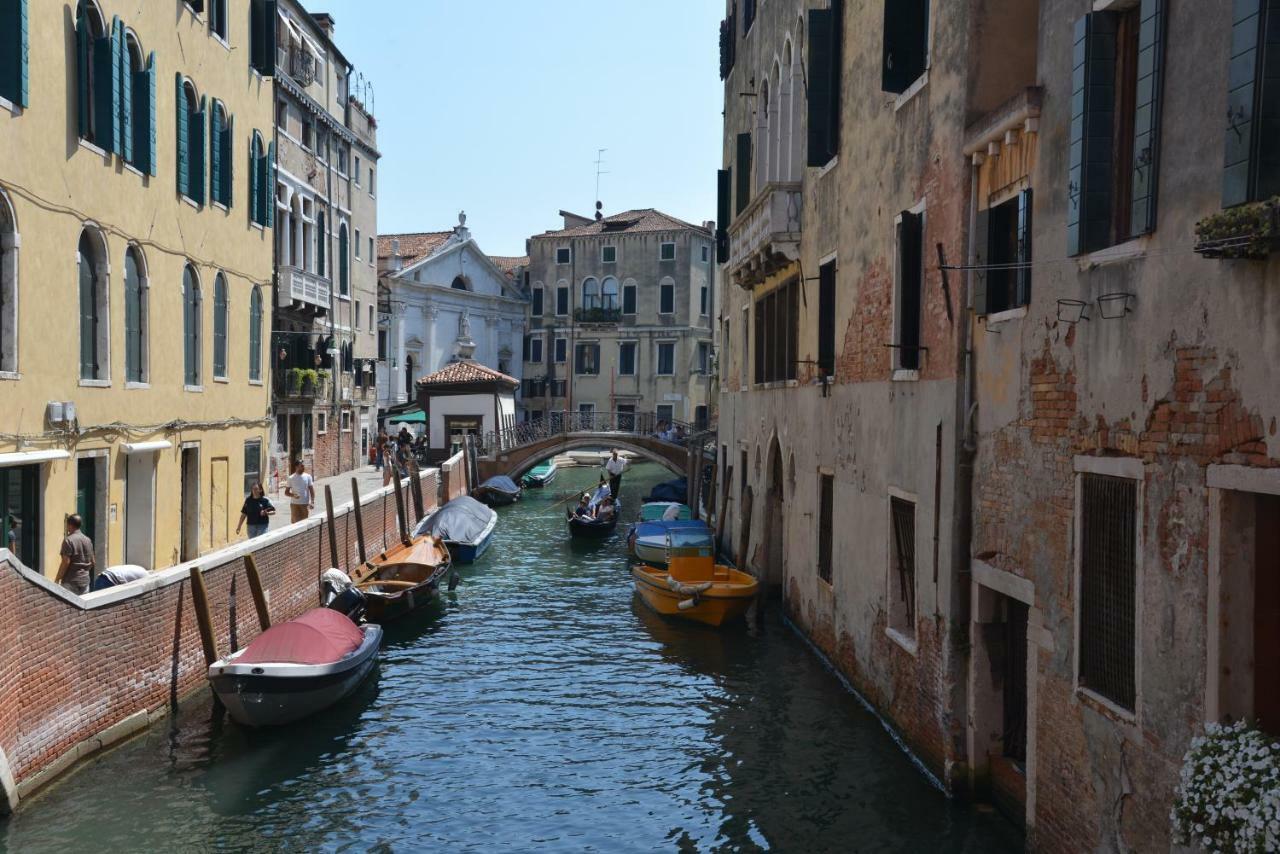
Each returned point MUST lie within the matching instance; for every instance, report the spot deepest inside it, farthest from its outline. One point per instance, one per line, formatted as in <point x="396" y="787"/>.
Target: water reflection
<point x="538" y="705"/>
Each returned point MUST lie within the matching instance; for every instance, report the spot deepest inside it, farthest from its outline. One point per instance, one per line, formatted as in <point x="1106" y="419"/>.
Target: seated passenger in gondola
<point x="583" y="510"/>
<point x="605" y="510"/>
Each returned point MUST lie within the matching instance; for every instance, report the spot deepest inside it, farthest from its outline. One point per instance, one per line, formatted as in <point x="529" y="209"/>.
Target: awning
<point x="144" y="447"/>
<point x="22" y="458"/>
<point x="413" y="416"/>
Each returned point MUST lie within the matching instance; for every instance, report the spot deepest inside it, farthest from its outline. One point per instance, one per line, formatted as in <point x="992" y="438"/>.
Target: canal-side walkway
<point x="368" y="478"/>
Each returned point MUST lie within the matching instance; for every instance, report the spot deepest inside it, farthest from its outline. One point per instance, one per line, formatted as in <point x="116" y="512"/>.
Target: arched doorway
<point x="774" y="545"/>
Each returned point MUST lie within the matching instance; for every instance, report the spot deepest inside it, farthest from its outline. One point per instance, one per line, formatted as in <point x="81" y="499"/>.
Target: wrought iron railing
<point x="566" y="422"/>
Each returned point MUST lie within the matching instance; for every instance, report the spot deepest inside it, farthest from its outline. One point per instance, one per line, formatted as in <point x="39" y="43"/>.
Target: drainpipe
<point x="963" y="521"/>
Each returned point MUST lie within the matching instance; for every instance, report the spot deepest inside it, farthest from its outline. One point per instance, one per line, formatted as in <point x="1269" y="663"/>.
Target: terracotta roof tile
<point x="413" y="247"/>
<point x="628" y="222"/>
<point x="508" y="263"/>
<point x="465" y="373"/>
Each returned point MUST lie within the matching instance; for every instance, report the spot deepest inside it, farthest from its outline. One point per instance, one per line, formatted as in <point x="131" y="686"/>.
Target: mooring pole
<point x="333" y="532"/>
<point x="355" y="498"/>
<point x="200" y="598"/>
<point x="416" y="484"/>
<point x="401" y="512"/>
<point x="255" y="587"/>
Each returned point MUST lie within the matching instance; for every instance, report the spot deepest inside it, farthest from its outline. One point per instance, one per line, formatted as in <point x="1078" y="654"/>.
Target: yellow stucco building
<point x="135" y="272"/>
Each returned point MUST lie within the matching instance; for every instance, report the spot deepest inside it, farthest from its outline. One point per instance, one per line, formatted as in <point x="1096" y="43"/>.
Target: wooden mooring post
<point x="401" y="511"/>
<point x="259" y="595"/>
<point x="355" y="498"/>
<point x="333" y="532"/>
<point x="416" y="489"/>
<point x="204" y="620"/>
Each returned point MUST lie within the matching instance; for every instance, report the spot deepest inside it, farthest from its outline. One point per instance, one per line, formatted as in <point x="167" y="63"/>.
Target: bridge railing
<point x="564" y="422"/>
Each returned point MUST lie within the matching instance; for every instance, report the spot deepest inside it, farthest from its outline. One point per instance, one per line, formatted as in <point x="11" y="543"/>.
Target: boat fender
<point x="686" y="604"/>
<point x="688" y="589"/>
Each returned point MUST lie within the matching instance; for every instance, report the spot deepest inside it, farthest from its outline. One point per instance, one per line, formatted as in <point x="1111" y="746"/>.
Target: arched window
<point x="344" y="261"/>
<point x="763" y="125"/>
<point x="190" y="326"/>
<point x="459" y="284"/>
<point x="321" y="239"/>
<point x="93" y="77"/>
<point x="94" y="324"/>
<point x="135" y="317"/>
<point x="255" y="335"/>
<point x="190" y="137"/>
<point x="220" y="327"/>
<point x="609" y="294"/>
<point x="220" y="155"/>
<point x="8" y="287"/>
<point x="590" y="293"/>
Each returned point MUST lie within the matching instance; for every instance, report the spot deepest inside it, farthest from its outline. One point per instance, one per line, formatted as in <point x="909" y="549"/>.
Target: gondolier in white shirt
<point x="615" y="466"/>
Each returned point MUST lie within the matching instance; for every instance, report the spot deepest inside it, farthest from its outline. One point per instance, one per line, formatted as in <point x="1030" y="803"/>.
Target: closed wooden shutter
<point x="1146" y="117"/>
<point x="183" y="137"/>
<point x="84" y="108"/>
<point x="724" y="187"/>
<point x="132" y="323"/>
<point x="13" y="51"/>
<point x="255" y="335"/>
<point x="1267" y="183"/>
<point x="220" y="327"/>
<point x="1022" y="278"/>
<point x="215" y="155"/>
<point x="821" y="47"/>
<point x="743" y="190"/>
<point x="126" y="102"/>
<point x="106" y="94"/>
<point x="228" y="161"/>
<point x="906" y="43"/>
<point x="1093" y="95"/>
<point x="255" y="171"/>
<point x="827" y="319"/>
<point x="88" y="320"/>
<point x="910" y="243"/>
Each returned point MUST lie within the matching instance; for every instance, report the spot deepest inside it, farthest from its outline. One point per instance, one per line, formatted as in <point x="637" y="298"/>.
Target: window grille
<point x="826" y="512"/>
<point x="904" y="553"/>
<point x="1108" y="516"/>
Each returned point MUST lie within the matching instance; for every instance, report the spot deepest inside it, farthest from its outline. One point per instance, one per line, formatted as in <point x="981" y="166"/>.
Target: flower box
<point x="1243" y="232"/>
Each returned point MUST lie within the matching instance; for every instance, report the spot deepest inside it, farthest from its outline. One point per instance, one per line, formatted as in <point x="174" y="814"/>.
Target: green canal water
<point x="540" y="708"/>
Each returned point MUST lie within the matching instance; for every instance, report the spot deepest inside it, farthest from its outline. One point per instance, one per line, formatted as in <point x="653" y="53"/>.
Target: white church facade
<point x="438" y="290"/>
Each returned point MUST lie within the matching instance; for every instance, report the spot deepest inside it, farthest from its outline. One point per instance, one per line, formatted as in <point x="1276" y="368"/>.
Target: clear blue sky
<point x="497" y="108"/>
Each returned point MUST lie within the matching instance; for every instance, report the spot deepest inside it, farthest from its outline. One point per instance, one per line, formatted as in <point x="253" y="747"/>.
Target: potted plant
<point x="293" y="380"/>
<point x="1228" y="796"/>
<point x="1245" y="231"/>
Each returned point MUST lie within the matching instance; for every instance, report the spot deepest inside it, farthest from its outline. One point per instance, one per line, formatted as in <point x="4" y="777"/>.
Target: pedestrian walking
<point x="301" y="492"/>
<point x="77" y="558"/>
<point x="256" y="511"/>
<point x="389" y="450"/>
<point x="615" y="466"/>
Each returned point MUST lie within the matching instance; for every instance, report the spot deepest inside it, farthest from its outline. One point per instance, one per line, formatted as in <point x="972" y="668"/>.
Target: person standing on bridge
<point x="615" y="466"/>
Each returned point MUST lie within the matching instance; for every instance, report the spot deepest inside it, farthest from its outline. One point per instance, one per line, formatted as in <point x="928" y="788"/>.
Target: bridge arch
<point x="517" y="462"/>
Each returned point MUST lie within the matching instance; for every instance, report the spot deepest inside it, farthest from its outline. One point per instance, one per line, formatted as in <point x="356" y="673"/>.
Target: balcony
<point x="301" y="384"/>
<point x="766" y="236"/>
<point x="299" y="286"/>
<point x="597" y="315"/>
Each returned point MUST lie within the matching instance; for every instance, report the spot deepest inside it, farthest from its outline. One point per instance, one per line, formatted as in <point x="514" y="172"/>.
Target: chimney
<point x="395" y="255"/>
<point x="325" y="22"/>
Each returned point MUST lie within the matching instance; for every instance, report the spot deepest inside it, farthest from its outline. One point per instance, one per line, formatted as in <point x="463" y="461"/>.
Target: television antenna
<point x="600" y="163"/>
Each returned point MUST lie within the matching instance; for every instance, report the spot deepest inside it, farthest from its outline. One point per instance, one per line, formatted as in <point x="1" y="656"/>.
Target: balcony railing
<point x="597" y="315"/>
<point x="301" y="384"/>
<point x="301" y="286"/>
<point x="765" y="236"/>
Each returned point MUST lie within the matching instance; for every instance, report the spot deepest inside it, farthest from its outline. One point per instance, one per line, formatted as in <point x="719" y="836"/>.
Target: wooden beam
<point x="204" y="620"/>
<point x="255" y="587"/>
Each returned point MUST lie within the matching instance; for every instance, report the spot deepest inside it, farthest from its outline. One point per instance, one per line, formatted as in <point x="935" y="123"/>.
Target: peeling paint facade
<point x="1088" y="441"/>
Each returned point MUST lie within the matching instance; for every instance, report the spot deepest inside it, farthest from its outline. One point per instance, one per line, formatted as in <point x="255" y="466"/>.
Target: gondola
<point x="497" y="491"/>
<point x="403" y="579"/>
<point x="541" y="474"/>
<point x="296" y="669"/>
<point x="465" y="525"/>
<point x="587" y="528"/>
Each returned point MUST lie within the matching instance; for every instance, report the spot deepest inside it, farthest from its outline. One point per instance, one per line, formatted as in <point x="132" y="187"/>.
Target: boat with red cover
<point x="296" y="669"/>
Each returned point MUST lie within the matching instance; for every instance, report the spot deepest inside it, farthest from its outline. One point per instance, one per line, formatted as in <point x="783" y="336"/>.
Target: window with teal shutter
<point x="145" y="105"/>
<point x="228" y="160"/>
<point x="199" y="119"/>
<point x="220" y="327"/>
<point x="255" y="173"/>
<point x="85" y="36"/>
<point x="106" y="82"/>
<point x="13" y="51"/>
<point x="126" y="134"/>
<point x="134" y="310"/>
<point x="215" y="154"/>
<point x="183" y="137"/>
<point x="268" y="186"/>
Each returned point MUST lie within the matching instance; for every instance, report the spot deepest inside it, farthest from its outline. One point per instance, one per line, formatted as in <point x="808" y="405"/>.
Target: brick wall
<point x="453" y="477"/>
<point x="67" y="672"/>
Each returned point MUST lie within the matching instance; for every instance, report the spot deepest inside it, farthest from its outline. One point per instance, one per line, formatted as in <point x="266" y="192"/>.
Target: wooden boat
<point x="654" y="511"/>
<point x="541" y="474"/>
<point x="402" y="579"/>
<point x="465" y="525"/>
<point x="647" y="541"/>
<point x="296" y="669"/>
<point x="497" y="491"/>
<point x="694" y="587"/>
<point x="586" y="528"/>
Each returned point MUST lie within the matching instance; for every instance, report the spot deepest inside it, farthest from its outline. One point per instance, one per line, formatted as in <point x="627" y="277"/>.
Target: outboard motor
<point x="341" y="595"/>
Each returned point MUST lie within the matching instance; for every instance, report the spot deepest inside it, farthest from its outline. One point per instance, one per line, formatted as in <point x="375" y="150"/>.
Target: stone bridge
<point x="516" y="450"/>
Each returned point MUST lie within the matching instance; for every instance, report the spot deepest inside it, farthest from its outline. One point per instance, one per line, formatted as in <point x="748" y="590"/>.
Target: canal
<point x="540" y="707"/>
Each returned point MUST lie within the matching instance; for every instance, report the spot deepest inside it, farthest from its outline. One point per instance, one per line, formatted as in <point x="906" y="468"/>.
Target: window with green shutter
<point x="134" y="318"/>
<point x="255" y="335"/>
<point x="127" y="54"/>
<point x="182" y="135"/>
<point x="1117" y="65"/>
<point x="197" y="124"/>
<point x="106" y="96"/>
<point x="217" y="127"/>
<point x="267" y="185"/>
<point x="220" y="327"/>
<point x="823" y="82"/>
<point x="906" y="44"/>
<point x="1251" y="164"/>
<point x="724" y="185"/>
<point x="262" y="36"/>
<point x="257" y="156"/>
<point x="14" y="51"/>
